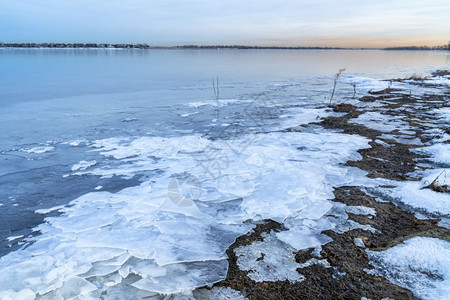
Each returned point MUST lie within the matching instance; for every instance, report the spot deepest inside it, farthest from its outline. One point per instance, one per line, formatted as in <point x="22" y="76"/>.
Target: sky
<point x="344" y="23"/>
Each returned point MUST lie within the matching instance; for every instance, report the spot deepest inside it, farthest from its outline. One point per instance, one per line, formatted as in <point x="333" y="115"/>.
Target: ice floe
<point x="268" y="260"/>
<point x="83" y="165"/>
<point x="39" y="149"/>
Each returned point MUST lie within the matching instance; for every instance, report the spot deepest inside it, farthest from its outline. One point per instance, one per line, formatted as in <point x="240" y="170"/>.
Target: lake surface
<point x="97" y="125"/>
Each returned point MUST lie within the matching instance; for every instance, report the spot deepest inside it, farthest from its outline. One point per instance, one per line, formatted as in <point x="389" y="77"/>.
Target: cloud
<point x="227" y="22"/>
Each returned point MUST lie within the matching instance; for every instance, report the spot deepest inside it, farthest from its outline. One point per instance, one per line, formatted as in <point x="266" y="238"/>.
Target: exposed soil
<point x="387" y="158"/>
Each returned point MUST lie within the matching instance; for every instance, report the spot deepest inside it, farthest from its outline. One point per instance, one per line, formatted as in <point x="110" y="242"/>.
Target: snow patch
<point x="420" y="264"/>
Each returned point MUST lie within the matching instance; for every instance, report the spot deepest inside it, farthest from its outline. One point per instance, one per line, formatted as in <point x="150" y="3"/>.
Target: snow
<point x="443" y="113"/>
<point x="420" y="264"/>
<point x="378" y="121"/>
<point x="414" y="194"/>
<point x="365" y="83"/>
<point x="439" y="80"/>
<point x="440" y="153"/>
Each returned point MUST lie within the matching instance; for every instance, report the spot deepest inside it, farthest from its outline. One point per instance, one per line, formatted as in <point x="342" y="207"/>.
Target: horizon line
<point x="194" y="46"/>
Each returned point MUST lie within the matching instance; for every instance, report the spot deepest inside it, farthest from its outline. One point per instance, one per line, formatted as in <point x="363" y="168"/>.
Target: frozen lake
<point x="161" y="172"/>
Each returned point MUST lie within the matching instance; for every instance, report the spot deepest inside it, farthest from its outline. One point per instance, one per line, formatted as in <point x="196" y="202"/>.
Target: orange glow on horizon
<point x="362" y="42"/>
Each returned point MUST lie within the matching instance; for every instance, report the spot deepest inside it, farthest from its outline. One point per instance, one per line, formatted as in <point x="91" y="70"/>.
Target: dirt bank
<point x="388" y="158"/>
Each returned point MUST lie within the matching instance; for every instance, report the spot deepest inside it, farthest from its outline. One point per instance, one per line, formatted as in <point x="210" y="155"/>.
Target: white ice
<point x="83" y="165"/>
<point x="220" y="102"/>
<point x="141" y="239"/>
<point x="268" y="260"/>
<point x="39" y="149"/>
<point x="217" y="293"/>
<point x="274" y="176"/>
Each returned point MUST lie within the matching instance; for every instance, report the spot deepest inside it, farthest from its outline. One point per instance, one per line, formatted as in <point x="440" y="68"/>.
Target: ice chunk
<point x="49" y="210"/>
<point x="74" y="287"/>
<point x="361" y="210"/>
<point x="25" y="294"/>
<point x="359" y="242"/>
<point x="12" y="238"/>
<point x="83" y="165"/>
<point x="269" y="260"/>
<point x="218" y="293"/>
<point x="305" y="234"/>
<point x="178" y="278"/>
<point x="39" y="149"/>
<point x="76" y="143"/>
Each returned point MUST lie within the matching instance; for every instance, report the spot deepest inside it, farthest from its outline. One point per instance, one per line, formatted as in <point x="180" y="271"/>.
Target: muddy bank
<point x="346" y="278"/>
<point x="388" y="158"/>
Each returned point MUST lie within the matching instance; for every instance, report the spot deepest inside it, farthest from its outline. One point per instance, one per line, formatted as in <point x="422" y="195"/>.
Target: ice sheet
<point x="276" y="176"/>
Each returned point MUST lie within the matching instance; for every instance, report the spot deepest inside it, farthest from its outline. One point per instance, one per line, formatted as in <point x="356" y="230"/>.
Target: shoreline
<point x="397" y="222"/>
<point x="353" y="220"/>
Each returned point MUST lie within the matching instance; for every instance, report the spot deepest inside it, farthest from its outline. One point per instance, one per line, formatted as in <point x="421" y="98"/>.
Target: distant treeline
<point x="74" y="45"/>
<point x="146" y="46"/>
<point x="143" y="46"/>
<point x="443" y="47"/>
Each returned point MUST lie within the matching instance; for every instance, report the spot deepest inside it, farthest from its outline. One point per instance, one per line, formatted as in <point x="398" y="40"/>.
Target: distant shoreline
<point x="213" y="47"/>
